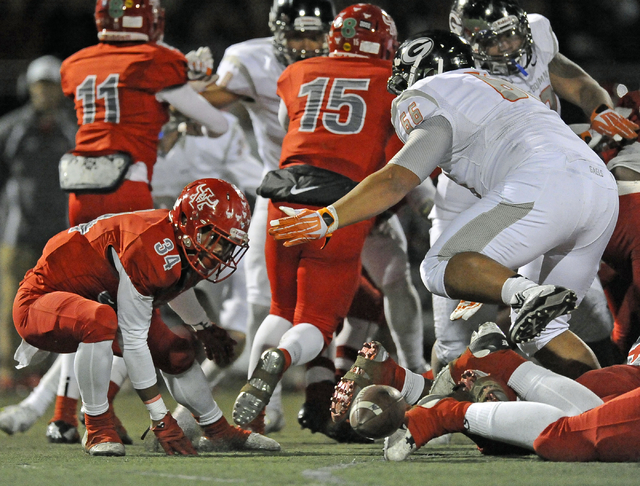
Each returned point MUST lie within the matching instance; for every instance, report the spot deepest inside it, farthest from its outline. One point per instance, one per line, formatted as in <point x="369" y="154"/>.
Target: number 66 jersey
<point x="495" y="127"/>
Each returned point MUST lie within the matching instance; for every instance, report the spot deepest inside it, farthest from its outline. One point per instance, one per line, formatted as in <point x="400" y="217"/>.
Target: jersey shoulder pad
<point x="410" y="109"/>
<point x="544" y="39"/>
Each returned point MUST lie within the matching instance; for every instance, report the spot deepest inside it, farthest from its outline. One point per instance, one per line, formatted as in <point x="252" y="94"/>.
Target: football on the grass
<point x="377" y="411"/>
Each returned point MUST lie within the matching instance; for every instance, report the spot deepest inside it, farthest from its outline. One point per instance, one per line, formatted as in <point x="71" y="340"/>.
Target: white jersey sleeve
<point x="544" y="39"/>
<point x="410" y="109"/>
<point x="250" y="69"/>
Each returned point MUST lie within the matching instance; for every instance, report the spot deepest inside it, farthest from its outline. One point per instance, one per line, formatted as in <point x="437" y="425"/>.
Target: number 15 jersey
<point x="338" y="114"/>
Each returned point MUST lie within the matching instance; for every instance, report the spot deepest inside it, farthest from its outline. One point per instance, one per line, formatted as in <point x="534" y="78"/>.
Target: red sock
<point x="113" y="391"/>
<point x="66" y="410"/>
<point x="287" y="359"/>
<point x="445" y="416"/>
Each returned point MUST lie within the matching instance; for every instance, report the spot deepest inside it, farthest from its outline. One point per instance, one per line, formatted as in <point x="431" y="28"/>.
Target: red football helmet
<point x="210" y="219"/>
<point x="363" y="30"/>
<point x="128" y="21"/>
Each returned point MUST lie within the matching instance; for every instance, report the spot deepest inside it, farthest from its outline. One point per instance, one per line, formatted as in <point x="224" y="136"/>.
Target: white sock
<point x="303" y="342"/>
<point x="93" y="369"/>
<point x="516" y="423"/>
<point x="413" y="387"/>
<point x="43" y="395"/>
<point x="537" y="384"/>
<point x="513" y="285"/>
<point x="355" y="332"/>
<point x="191" y="390"/>
<point x="118" y="370"/>
<point x="403" y="312"/>
<point x="67" y="384"/>
<point x="267" y="336"/>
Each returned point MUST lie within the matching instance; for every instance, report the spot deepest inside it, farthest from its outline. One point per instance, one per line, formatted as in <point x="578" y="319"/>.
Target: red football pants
<point x="130" y="196"/>
<point x="314" y="285"/>
<point x="610" y="433"/>
<point x="59" y="321"/>
<point x="623" y="255"/>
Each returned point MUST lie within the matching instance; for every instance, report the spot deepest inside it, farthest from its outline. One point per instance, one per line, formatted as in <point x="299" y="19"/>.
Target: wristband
<point x="157" y="408"/>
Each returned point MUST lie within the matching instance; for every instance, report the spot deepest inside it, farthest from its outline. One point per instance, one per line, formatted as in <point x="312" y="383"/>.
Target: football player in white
<point x="522" y="49"/>
<point x="542" y="192"/>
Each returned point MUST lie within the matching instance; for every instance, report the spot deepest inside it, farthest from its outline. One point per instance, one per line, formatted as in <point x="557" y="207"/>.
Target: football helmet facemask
<point x="295" y="24"/>
<point x="363" y="30"/>
<point x="124" y="21"/>
<point x="210" y="219"/>
<point x="499" y="34"/>
<point x="427" y="54"/>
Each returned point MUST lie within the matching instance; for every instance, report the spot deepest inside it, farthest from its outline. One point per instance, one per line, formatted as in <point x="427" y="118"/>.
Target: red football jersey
<point x="77" y="260"/>
<point x="339" y="114"/>
<point x="114" y="87"/>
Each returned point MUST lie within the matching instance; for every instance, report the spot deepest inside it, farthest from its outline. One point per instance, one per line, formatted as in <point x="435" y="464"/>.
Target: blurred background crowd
<point x="602" y="36"/>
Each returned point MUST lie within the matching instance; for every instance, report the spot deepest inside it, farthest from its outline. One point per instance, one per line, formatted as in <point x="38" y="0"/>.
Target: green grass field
<point x="306" y="459"/>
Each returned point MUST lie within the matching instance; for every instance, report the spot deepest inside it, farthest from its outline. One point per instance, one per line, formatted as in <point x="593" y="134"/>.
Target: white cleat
<point x="255" y="442"/>
<point x="538" y="306"/>
<point x="399" y="445"/>
<point x="103" y="448"/>
<point x="17" y="418"/>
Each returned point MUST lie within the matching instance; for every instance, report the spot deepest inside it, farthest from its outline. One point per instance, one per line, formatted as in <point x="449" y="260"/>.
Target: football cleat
<point x="60" y="432"/>
<point x="101" y="438"/>
<point x="373" y="366"/>
<point x="17" y="418"/>
<point x="255" y="395"/>
<point x="487" y="339"/>
<point x="233" y="439"/>
<point x="103" y="448"/>
<point x="399" y="445"/>
<point x="433" y="416"/>
<point x="536" y="307"/>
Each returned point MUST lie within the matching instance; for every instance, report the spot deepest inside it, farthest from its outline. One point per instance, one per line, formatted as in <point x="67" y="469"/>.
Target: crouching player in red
<point x="96" y="291"/>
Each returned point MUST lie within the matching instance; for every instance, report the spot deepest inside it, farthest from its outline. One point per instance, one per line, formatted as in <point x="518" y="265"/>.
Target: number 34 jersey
<point x="495" y="126"/>
<point x="114" y="88"/>
<point x="338" y="111"/>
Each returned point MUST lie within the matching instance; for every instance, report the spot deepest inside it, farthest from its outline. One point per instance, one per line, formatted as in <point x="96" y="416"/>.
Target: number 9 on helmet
<point x="210" y="219"/>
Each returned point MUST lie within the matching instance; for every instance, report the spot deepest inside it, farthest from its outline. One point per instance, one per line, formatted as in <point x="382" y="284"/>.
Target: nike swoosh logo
<point x="296" y="190"/>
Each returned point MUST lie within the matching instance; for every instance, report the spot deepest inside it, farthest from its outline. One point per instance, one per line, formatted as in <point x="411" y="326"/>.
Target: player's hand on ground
<point x="303" y="225"/>
<point x="218" y="345"/>
<point x="606" y="121"/>
<point x="172" y="438"/>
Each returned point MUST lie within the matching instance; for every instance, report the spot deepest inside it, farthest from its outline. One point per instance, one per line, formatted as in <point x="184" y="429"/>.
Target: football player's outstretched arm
<point x="375" y="194"/>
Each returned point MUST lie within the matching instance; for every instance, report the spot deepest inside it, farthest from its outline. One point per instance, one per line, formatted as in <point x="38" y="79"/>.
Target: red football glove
<point x="304" y="225"/>
<point x="606" y="121"/>
<point x="218" y="345"/>
<point x="171" y="437"/>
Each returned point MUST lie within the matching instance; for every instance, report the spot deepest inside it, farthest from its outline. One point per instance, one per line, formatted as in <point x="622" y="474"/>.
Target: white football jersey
<point x="545" y="48"/>
<point x="496" y="126"/>
<point x="227" y="157"/>
<point x="250" y="69"/>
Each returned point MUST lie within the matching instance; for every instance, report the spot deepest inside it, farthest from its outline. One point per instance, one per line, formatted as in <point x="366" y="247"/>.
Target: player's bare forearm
<point x="376" y="193"/>
<point x="573" y="84"/>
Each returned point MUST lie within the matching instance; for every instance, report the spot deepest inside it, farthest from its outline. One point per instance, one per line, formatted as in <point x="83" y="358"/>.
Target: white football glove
<point x="200" y="71"/>
<point x="465" y="310"/>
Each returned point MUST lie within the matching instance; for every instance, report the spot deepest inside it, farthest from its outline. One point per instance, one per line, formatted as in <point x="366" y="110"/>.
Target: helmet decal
<point x="203" y="196"/>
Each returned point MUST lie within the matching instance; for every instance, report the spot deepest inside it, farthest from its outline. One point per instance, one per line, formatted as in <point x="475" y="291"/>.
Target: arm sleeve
<point x="186" y="305"/>
<point x="134" y="319"/>
<point x="283" y="116"/>
<point x="428" y="145"/>
<point x="191" y="104"/>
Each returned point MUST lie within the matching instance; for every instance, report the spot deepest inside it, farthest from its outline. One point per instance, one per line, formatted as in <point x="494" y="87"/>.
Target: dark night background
<point x="603" y="36"/>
